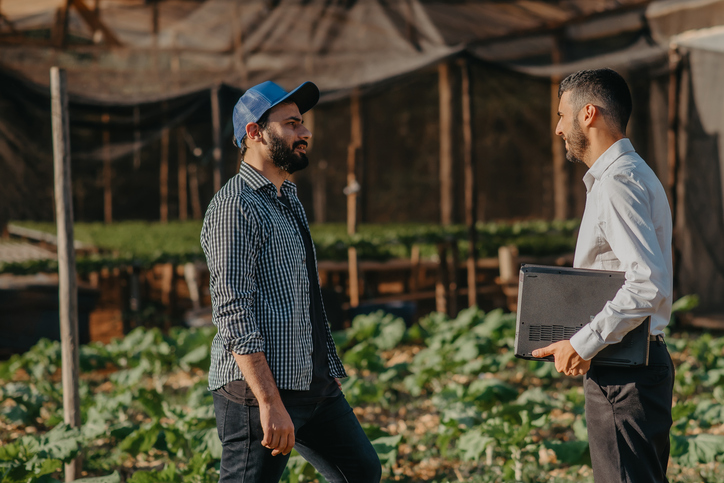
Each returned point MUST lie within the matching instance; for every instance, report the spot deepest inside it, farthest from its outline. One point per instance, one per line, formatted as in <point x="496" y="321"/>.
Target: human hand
<point x="566" y="358"/>
<point x="277" y="427"/>
<point x="339" y="383"/>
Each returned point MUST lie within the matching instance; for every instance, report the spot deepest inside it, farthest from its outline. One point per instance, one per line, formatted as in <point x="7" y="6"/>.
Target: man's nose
<point x="559" y="132"/>
<point x="305" y="133"/>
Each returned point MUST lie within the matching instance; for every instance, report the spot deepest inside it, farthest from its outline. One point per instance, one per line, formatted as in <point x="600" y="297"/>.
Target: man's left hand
<point x="566" y="358"/>
<point x="339" y="383"/>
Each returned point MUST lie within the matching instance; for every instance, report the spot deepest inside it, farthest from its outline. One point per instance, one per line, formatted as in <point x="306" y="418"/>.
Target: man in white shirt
<point x="626" y="226"/>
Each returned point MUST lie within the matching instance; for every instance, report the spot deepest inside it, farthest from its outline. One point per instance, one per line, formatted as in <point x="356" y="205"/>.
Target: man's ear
<point x="253" y="132"/>
<point x="588" y="114"/>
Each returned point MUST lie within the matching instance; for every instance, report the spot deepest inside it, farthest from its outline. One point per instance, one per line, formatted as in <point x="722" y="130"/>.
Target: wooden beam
<point x="319" y="192"/>
<point x="68" y="290"/>
<point x="6" y="21"/>
<point x="445" y="94"/>
<point x="194" y="187"/>
<point x="452" y="268"/>
<point x="154" y="20"/>
<point x="351" y="191"/>
<point x="60" y="26"/>
<point x="673" y="126"/>
<point x="95" y="23"/>
<point x="216" y="126"/>
<point x="471" y="194"/>
<point x="414" y="283"/>
<point x="107" y="171"/>
<point x="442" y="282"/>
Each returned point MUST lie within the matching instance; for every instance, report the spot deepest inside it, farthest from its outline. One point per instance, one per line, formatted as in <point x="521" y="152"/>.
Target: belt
<point x="659" y="337"/>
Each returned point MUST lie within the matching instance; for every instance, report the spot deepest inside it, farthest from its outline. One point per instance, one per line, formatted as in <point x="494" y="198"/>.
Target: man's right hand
<point x="278" y="428"/>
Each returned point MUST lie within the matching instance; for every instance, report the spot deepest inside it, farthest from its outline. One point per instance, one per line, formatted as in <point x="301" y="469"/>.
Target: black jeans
<point x="327" y="435"/>
<point x="628" y="411"/>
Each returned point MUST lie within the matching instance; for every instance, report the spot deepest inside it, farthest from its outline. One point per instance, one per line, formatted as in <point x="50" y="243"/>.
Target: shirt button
<point x="304" y="260"/>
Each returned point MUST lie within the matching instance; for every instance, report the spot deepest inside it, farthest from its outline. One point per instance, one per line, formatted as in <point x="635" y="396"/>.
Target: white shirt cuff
<point x="587" y="343"/>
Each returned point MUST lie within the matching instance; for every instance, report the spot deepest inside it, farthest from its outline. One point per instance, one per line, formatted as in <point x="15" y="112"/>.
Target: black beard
<point x="577" y="144"/>
<point x="284" y="157"/>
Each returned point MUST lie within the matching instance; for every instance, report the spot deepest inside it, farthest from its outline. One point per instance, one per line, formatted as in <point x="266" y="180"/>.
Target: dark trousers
<point x="628" y="411"/>
<point x="327" y="435"/>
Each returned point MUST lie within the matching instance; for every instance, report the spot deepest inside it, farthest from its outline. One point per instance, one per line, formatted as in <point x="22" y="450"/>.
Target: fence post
<point x="67" y="288"/>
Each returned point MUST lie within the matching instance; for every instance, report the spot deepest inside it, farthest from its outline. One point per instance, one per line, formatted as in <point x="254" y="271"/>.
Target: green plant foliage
<point x="492" y="415"/>
<point x="144" y="244"/>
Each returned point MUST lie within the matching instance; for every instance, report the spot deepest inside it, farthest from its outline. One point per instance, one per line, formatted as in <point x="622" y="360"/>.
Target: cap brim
<point x="305" y="97"/>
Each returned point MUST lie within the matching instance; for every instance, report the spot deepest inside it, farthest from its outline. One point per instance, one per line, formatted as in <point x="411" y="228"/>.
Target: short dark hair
<point x="603" y="87"/>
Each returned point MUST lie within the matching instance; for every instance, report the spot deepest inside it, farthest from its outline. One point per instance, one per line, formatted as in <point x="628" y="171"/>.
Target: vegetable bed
<point x="444" y="400"/>
<point x="145" y="244"/>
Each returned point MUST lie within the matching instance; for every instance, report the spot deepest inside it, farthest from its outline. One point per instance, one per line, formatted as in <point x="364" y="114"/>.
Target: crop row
<point x="442" y="400"/>
<point x="146" y="244"/>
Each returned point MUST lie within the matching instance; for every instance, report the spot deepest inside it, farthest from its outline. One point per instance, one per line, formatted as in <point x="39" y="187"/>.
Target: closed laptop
<point x="556" y="302"/>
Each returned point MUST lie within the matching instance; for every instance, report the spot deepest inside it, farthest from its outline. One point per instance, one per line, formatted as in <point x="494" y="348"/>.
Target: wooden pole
<point x="452" y="267"/>
<point x="107" y="172"/>
<point x="560" y="173"/>
<point x="194" y="185"/>
<point x="319" y="192"/>
<point x="673" y="125"/>
<point x="470" y="183"/>
<point x="60" y="28"/>
<point x="351" y="192"/>
<point x="183" y="212"/>
<point x="94" y="22"/>
<point x="163" y="176"/>
<point x="414" y="268"/>
<point x="216" y="125"/>
<point x="67" y="288"/>
<point x="442" y="283"/>
<point x="446" y="155"/>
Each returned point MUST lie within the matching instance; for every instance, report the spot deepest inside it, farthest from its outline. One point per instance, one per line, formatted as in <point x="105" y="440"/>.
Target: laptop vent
<point x="550" y="333"/>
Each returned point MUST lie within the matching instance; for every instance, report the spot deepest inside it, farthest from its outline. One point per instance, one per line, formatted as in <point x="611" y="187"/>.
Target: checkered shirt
<point x="259" y="283"/>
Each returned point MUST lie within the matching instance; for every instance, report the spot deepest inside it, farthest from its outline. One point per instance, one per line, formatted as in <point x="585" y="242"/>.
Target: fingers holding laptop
<point x="566" y="358"/>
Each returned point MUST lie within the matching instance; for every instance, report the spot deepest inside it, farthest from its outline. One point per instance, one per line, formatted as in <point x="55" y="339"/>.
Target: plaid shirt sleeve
<point x="231" y="245"/>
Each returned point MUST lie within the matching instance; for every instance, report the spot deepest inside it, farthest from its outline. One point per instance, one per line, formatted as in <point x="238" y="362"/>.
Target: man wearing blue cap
<point x="274" y="368"/>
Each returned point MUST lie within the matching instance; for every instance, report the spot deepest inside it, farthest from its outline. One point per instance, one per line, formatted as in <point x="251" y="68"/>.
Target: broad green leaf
<point x="61" y="442"/>
<point x="386" y="448"/>
<point x="112" y="478"/>
<point x="580" y="428"/>
<point x="467" y="351"/>
<point x="569" y="452"/>
<point x="702" y="448"/>
<point x="364" y="356"/>
<point x="47" y="467"/>
<point x="391" y="334"/>
<point x="473" y="443"/>
<point x="142" y="439"/>
<point x="198" y="357"/>
<point x="491" y="390"/>
<point x="685" y="303"/>
<point x="131" y="377"/>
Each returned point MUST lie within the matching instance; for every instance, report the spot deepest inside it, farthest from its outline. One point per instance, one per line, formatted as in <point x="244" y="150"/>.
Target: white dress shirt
<point x="626" y="226"/>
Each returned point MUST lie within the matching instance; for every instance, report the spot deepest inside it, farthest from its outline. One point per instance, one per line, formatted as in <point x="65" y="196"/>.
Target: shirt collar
<point x="615" y="151"/>
<point x="258" y="181"/>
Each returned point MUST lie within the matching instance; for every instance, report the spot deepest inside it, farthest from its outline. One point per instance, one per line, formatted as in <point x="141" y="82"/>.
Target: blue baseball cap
<point x="258" y="99"/>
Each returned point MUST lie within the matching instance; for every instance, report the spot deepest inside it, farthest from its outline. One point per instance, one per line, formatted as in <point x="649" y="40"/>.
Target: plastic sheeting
<point x="700" y="187"/>
<point x="339" y="44"/>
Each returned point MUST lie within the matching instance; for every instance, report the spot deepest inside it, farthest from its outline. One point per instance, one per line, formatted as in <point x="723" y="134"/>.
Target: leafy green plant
<point x="144" y="244"/>
<point x="445" y="389"/>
